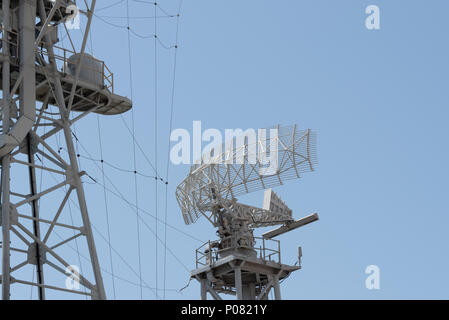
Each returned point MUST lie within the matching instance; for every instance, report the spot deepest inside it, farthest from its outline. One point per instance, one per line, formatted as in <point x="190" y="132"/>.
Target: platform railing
<point x="63" y="55"/>
<point x="12" y="38"/>
<point x="268" y="250"/>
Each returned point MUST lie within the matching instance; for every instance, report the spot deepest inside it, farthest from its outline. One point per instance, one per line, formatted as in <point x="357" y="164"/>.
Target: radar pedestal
<point x="239" y="263"/>
<point x="248" y="277"/>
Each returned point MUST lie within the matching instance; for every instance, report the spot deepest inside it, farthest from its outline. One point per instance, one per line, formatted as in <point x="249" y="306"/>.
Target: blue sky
<point x="377" y="100"/>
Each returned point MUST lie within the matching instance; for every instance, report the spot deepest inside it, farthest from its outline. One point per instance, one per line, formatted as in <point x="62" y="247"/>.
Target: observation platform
<point x="94" y="88"/>
<point x="258" y="269"/>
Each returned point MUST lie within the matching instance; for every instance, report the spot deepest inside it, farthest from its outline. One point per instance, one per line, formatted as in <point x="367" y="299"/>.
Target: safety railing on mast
<point x="63" y="55"/>
<point x="268" y="250"/>
<point x="12" y="38"/>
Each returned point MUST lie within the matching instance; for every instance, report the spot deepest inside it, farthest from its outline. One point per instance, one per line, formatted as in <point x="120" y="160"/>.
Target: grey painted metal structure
<point x="239" y="263"/>
<point x="53" y="91"/>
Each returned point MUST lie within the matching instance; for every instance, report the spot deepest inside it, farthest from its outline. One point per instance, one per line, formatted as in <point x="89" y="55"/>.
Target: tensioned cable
<point x="110" y="6"/>
<point x="57" y="139"/>
<point x="136" y="191"/>
<point x="138" y="145"/>
<point x="76" y="242"/>
<point x="106" y="208"/>
<point x="146" y="2"/>
<point x="141" y="281"/>
<point x="134" y="140"/>
<point x="38" y="208"/>
<point x="104" y="190"/>
<point x="70" y="209"/>
<point x="113" y="166"/>
<point x="128" y="28"/>
<point x="155" y="67"/>
<point x="104" y="238"/>
<point x="124" y="27"/>
<point x="131" y="205"/>
<point x="135" y="18"/>
<point x="107" y="271"/>
<point x="135" y="172"/>
<point x="169" y="142"/>
<point x="149" y="228"/>
<point x="71" y="217"/>
<point x="117" y="253"/>
<point x="155" y="141"/>
<point x="118" y="194"/>
<point x="141" y="209"/>
<point x="72" y="222"/>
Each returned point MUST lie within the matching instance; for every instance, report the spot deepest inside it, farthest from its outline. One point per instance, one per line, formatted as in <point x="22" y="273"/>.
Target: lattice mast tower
<point x="240" y="263"/>
<point x="38" y="75"/>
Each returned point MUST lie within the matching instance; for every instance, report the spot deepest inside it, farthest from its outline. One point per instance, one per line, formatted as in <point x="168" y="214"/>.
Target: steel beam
<point x="36" y="224"/>
<point x="203" y="283"/>
<point x="73" y="166"/>
<point x="291" y="226"/>
<point x="277" y="288"/>
<point x="18" y="144"/>
<point x="6" y="278"/>
<point x="238" y="282"/>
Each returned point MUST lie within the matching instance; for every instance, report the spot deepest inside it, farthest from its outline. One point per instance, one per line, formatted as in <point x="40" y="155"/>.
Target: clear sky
<point x="377" y="100"/>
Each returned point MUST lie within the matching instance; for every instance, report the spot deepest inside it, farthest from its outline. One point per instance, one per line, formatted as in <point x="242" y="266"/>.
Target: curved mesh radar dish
<point x="244" y="169"/>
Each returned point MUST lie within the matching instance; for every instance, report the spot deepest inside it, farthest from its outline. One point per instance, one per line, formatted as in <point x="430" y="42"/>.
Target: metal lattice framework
<point x="53" y="93"/>
<point x="208" y="182"/>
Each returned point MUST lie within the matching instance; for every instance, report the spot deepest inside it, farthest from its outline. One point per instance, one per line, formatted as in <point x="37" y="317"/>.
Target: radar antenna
<point x="240" y="263"/>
